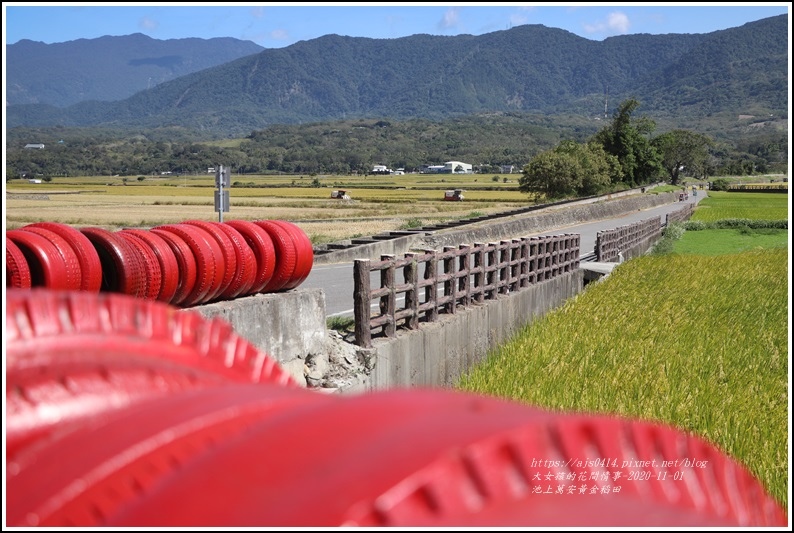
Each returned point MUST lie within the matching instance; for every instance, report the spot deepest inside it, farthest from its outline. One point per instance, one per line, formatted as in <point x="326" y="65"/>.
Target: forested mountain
<point x="528" y="68"/>
<point x="108" y="68"/>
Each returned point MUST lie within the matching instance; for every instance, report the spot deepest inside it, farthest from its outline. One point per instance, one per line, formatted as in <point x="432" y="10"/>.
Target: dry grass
<point x="372" y="211"/>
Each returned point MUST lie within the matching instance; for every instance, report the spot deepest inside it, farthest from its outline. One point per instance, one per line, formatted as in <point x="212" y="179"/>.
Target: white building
<point x="456" y="167"/>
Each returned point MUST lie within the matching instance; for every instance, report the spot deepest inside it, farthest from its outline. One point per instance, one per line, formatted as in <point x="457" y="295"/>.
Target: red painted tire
<point x="154" y="276"/>
<point x="186" y="263"/>
<point x="87" y="256"/>
<point x="430" y="458"/>
<point x="123" y="270"/>
<point x="265" y="253"/>
<point x="46" y="265"/>
<point x="73" y="273"/>
<point x="304" y="253"/>
<point x="109" y="463"/>
<point x="209" y="259"/>
<point x="286" y="255"/>
<point x="71" y="355"/>
<point x="17" y="269"/>
<point x="245" y="274"/>
<point x="169" y="266"/>
<point x="227" y="250"/>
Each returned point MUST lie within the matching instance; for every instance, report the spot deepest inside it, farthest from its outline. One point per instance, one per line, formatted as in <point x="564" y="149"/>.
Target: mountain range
<point x="528" y="69"/>
<point x="108" y="68"/>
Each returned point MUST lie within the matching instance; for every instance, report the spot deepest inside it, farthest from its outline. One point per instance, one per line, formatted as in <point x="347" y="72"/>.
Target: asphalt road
<point x="336" y="280"/>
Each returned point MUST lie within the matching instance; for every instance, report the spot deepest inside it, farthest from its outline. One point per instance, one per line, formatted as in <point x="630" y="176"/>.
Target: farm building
<point x="34" y="146"/>
<point x="456" y="167"/>
<point x="381" y="169"/>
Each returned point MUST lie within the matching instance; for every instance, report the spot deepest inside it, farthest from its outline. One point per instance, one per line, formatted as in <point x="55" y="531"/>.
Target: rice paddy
<point x="696" y="340"/>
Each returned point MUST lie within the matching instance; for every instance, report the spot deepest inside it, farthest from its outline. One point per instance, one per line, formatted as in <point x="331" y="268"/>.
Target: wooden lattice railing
<point x="435" y="283"/>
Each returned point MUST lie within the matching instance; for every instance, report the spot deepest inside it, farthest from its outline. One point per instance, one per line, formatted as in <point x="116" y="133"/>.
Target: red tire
<point x="209" y="259"/>
<point x="87" y="256"/>
<point x="304" y="253"/>
<point x="186" y="263"/>
<point x="123" y="270"/>
<point x="105" y="465"/>
<point x="424" y="458"/>
<point x="71" y="355"/>
<point x="169" y="267"/>
<point x="286" y="256"/>
<point x="73" y="273"/>
<point x="46" y="265"/>
<point x="227" y="250"/>
<point x="245" y="274"/>
<point x="17" y="269"/>
<point x="154" y="276"/>
<point x="264" y="252"/>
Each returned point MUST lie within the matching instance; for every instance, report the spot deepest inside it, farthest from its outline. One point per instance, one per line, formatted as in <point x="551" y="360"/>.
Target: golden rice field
<point x="709" y="355"/>
<point x="116" y="202"/>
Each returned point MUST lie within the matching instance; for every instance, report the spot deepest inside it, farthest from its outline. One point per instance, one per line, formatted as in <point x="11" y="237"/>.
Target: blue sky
<point x="275" y="25"/>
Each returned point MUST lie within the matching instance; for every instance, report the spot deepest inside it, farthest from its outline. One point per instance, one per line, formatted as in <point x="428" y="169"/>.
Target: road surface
<point x="336" y="280"/>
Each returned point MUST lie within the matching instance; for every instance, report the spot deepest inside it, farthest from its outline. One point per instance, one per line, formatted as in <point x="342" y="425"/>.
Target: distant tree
<point x="571" y="169"/>
<point x="628" y="139"/>
<point x="549" y="173"/>
<point x="682" y="149"/>
<point x="719" y="184"/>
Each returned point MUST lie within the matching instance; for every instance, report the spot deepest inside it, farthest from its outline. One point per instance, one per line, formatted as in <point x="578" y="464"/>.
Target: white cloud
<point x="257" y="12"/>
<point x="617" y="23"/>
<point x="450" y="20"/>
<point x="145" y="23"/>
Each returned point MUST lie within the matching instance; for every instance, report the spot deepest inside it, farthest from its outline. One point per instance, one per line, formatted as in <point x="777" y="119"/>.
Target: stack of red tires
<point x="121" y="412"/>
<point x="184" y="264"/>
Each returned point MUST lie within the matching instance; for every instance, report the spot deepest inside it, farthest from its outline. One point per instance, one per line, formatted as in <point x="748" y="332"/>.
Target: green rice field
<point x="754" y="206"/>
<point x="698" y="338"/>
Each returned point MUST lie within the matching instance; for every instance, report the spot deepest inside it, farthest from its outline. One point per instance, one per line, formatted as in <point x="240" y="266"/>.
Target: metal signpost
<point x="221" y="200"/>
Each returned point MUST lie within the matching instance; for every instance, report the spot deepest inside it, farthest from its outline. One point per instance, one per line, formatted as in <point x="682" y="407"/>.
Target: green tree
<point x="549" y="173"/>
<point x="627" y="138"/>
<point x="683" y="149"/>
<point x="571" y="169"/>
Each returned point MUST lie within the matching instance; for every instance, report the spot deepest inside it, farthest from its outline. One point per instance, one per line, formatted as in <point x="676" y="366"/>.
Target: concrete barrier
<point x="517" y="226"/>
<point x="289" y="326"/>
<point x="439" y="353"/>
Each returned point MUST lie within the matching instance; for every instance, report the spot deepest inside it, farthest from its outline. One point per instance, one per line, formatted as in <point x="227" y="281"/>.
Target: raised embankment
<point x="291" y="326"/>
<point x="503" y="228"/>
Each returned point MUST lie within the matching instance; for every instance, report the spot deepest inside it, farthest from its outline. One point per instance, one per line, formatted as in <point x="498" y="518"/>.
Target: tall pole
<point x="606" y="99"/>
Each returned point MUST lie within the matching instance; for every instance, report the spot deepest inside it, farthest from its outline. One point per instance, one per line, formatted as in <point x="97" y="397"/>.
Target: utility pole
<point x="606" y="99"/>
<point x="221" y="200"/>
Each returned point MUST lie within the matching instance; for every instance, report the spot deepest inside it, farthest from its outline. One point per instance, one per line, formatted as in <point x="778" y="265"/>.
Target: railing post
<point x="451" y="285"/>
<point x="465" y="274"/>
<point x="479" y="271"/>
<point x="431" y="290"/>
<point x="411" y="295"/>
<point x="388" y="303"/>
<point x="523" y="271"/>
<point x="361" y="302"/>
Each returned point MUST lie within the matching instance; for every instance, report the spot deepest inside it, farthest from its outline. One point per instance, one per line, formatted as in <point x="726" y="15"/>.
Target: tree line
<point x="622" y="153"/>
<point x="489" y="141"/>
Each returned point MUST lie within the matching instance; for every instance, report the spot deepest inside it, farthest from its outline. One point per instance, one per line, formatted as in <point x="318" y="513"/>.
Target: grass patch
<point x="748" y="205"/>
<point x="412" y="223"/>
<point x="729" y="241"/>
<point x="342" y="324"/>
<point x="709" y="356"/>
